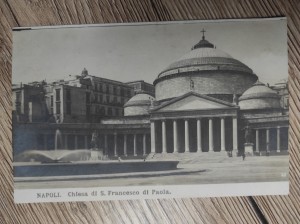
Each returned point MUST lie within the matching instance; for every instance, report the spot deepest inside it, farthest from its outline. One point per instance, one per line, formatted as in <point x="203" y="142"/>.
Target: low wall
<point x="86" y="168"/>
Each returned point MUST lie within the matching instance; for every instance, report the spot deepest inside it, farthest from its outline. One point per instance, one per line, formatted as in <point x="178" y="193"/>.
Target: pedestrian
<point x="244" y="156"/>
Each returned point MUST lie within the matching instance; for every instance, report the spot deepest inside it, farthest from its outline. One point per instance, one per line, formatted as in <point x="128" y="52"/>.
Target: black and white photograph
<point x="150" y="110"/>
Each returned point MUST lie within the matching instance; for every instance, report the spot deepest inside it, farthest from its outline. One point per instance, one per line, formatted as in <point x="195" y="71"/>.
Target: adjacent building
<point x="83" y="98"/>
<point x="142" y="86"/>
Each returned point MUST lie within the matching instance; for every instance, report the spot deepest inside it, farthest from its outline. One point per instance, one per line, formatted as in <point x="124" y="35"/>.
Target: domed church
<point x="208" y="101"/>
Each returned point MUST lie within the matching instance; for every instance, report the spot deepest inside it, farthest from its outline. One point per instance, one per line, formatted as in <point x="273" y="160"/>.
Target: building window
<point x="100" y="98"/>
<point x="107" y="99"/>
<point x="57" y="94"/>
<point x="115" y="90"/>
<point x="101" y="111"/>
<point x="107" y="88"/>
<point x="115" y="99"/>
<point x="68" y="95"/>
<point x="88" y="110"/>
<point x="109" y="111"/>
<point x="57" y="108"/>
<point x="51" y="104"/>
<point x="18" y="97"/>
<point x="100" y="87"/>
<point x="88" y="98"/>
<point x="18" y="102"/>
<point x="68" y="108"/>
<point x="18" y="108"/>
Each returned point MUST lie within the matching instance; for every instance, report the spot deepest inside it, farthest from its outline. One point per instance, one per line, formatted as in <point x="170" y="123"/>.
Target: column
<point x="45" y="141"/>
<point x="115" y="144"/>
<point x="76" y="142"/>
<point x="210" y="135"/>
<point x="234" y="134"/>
<point x="105" y="145"/>
<point x="186" y="136"/>
<point x="55" y="141"/>
<point x="86" y="142"/>
<point x="66" y="142"/>
<point x="164" y="136"/>
<point x="257" y="140"/>
<point x="144" y="144"/>
<point x="125" y="145"/>
<point x="199" y="140"/>
<point x="268" y="140"/>
<point x="134" y="145"/>
<point x="222" y="134"/>
<point x="152" y="126"/>
<point x="278" y="139"/>
<point x="175" y="136"/>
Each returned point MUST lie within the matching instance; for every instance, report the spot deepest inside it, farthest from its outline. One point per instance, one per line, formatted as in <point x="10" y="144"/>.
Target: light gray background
<point x="133" y="52"/>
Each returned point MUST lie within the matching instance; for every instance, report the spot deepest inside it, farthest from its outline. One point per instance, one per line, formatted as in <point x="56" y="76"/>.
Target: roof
<point x="140" y="99"/>
<point x="205" y="57"/>
<point x="221" y="102"/>
<point x="259" y="97"/>
<point x="257" y="91"/>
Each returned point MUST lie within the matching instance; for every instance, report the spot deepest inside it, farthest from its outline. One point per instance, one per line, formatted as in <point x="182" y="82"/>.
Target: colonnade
<point x="62" y="142"/>
<point x="126" y="145"/>
<point x="265" y="144"/>
<point x="215" y="130"/>
<point x="187" y="122"/>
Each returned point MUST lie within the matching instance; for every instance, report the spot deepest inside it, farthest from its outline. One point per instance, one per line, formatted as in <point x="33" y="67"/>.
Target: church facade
<point x="206" y="101"/>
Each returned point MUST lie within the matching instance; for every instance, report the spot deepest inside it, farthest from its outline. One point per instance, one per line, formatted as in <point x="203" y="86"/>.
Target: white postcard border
<point x="150" y="192"/>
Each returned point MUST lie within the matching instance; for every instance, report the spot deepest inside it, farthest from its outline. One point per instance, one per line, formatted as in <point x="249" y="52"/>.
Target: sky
<point x="128" y="52"/>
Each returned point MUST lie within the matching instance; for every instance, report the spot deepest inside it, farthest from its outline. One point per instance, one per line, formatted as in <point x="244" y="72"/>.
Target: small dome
<point x="259" y="96"/>
<point x="138" y="104"/>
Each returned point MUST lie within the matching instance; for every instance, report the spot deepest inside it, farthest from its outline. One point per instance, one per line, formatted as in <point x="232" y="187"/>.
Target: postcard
<point x="150" y="110"/>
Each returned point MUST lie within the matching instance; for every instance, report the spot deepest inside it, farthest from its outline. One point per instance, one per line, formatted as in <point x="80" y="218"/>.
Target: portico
<point x="217" y="139"/>
<point x="194" y="123"/>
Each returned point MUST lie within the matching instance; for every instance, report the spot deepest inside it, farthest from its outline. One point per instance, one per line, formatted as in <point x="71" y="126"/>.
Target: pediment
<point x="193" y="101"/>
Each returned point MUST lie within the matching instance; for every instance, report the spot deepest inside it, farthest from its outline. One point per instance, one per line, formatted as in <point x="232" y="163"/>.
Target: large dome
<point x="259" y="96"/>
<point x="202" y="59"/>
<point x="212" y="71"/>
<point x="138" y="104"/>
